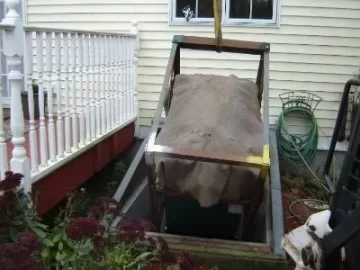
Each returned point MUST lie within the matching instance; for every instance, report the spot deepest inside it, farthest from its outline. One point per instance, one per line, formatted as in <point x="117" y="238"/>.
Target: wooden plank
<point x="197" y="243"/>
<point x="227" y="45"/>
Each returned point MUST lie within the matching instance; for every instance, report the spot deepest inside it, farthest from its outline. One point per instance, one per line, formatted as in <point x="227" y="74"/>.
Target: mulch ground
<point x="291" y="222"/>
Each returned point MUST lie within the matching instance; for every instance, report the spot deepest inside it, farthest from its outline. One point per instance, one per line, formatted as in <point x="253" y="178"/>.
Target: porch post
<point x="135" y="30"/>
<point x="13" y="49"/>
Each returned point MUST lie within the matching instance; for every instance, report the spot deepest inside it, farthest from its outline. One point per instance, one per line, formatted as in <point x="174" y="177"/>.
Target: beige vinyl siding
<point x="316" y="48"/>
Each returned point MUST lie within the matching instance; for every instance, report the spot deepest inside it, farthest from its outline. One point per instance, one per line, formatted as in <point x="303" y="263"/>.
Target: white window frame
<point x="226" y="20"/>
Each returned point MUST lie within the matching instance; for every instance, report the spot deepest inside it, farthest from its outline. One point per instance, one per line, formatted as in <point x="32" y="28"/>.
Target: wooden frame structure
<point x="173" y="68"/>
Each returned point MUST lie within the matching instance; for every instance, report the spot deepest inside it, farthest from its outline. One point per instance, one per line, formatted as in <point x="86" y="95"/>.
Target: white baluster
<point x="103" y="84"/>
<point x="112" y="88"/>
<point x="59" y="120"/>
<point x="131" y="78"/>
<point x="81" y="88"/>
<point x="87" y="87"/>
<point x="119" y="81"/>
<point x="74" y="97"/>
<point x="3" y="149"/>
<point x="93" y="86"/>
<point x="19" y="163"/>
<point x="116" y="81"/>
<point x="40" y="69"/>
<point x="51" y="124"/>
<point x="132" y="55"/>
<point x="29" y="72"/>
<point x="135" y="31"/>
<point x="118" y="46"/>
<point x="122" y="79"/>
<point x="98" y="66"/>
<point x="123" y="76"/>
<point x="67" y="94"/>
<point x="128" y="78"/>
<point x="108" y="82"/>
<point x="136" y="104"/>
<point x="130" y="74"/>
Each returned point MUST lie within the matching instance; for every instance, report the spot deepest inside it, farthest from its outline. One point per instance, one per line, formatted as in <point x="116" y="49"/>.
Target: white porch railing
<point x="89" y="79"/>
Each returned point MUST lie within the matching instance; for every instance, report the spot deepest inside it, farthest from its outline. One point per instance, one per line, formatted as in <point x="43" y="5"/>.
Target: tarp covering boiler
<point x="217" y="114"/>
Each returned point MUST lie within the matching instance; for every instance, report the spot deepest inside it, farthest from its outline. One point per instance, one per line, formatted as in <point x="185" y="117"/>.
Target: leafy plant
<point x="117" y="175"/>
<point x="87" y="242"/>
<point x="102" y="184"/>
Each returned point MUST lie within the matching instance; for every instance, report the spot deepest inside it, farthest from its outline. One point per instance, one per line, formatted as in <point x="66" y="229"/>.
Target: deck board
<point x="10" y="145"/>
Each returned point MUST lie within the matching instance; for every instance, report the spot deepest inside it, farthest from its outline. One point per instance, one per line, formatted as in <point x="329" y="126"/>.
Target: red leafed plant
<point x="88" y="242"/>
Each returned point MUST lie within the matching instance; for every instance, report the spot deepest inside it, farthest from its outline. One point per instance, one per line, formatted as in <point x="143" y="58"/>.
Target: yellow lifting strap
<point x="217" y="7"/>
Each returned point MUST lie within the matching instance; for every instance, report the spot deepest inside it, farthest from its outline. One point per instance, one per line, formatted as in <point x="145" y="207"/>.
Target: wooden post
<point x="20" y="162"/>
<point x="3" y="149"/>
<point x="135" y="31"/>
<point x="13" y="49"/>
<point x="12" y="16"/>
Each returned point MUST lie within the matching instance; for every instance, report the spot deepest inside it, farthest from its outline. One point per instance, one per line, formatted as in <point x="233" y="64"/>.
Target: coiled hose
<point x="297" y="149"/>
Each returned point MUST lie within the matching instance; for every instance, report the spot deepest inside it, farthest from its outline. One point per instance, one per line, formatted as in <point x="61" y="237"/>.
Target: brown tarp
<point x="217" y="114"/>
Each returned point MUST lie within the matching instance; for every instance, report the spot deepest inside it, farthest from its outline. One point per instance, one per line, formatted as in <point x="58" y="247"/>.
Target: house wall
<point x="316" y="48"/>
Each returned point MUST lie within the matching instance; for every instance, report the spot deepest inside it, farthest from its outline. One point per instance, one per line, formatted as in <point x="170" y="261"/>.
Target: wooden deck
<point x="66" y="175"/>
<point x="54" y="187"/>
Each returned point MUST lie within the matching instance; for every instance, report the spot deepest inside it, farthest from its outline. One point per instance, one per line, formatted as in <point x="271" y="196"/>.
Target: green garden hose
<point x="297" y="149"/>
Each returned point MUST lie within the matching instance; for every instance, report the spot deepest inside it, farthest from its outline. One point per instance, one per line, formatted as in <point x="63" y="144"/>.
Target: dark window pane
<point x="239" y="9"/>
<point x="181" y="4"/>
<point x="262" y="9"/>
<point x="205" y="9"/>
